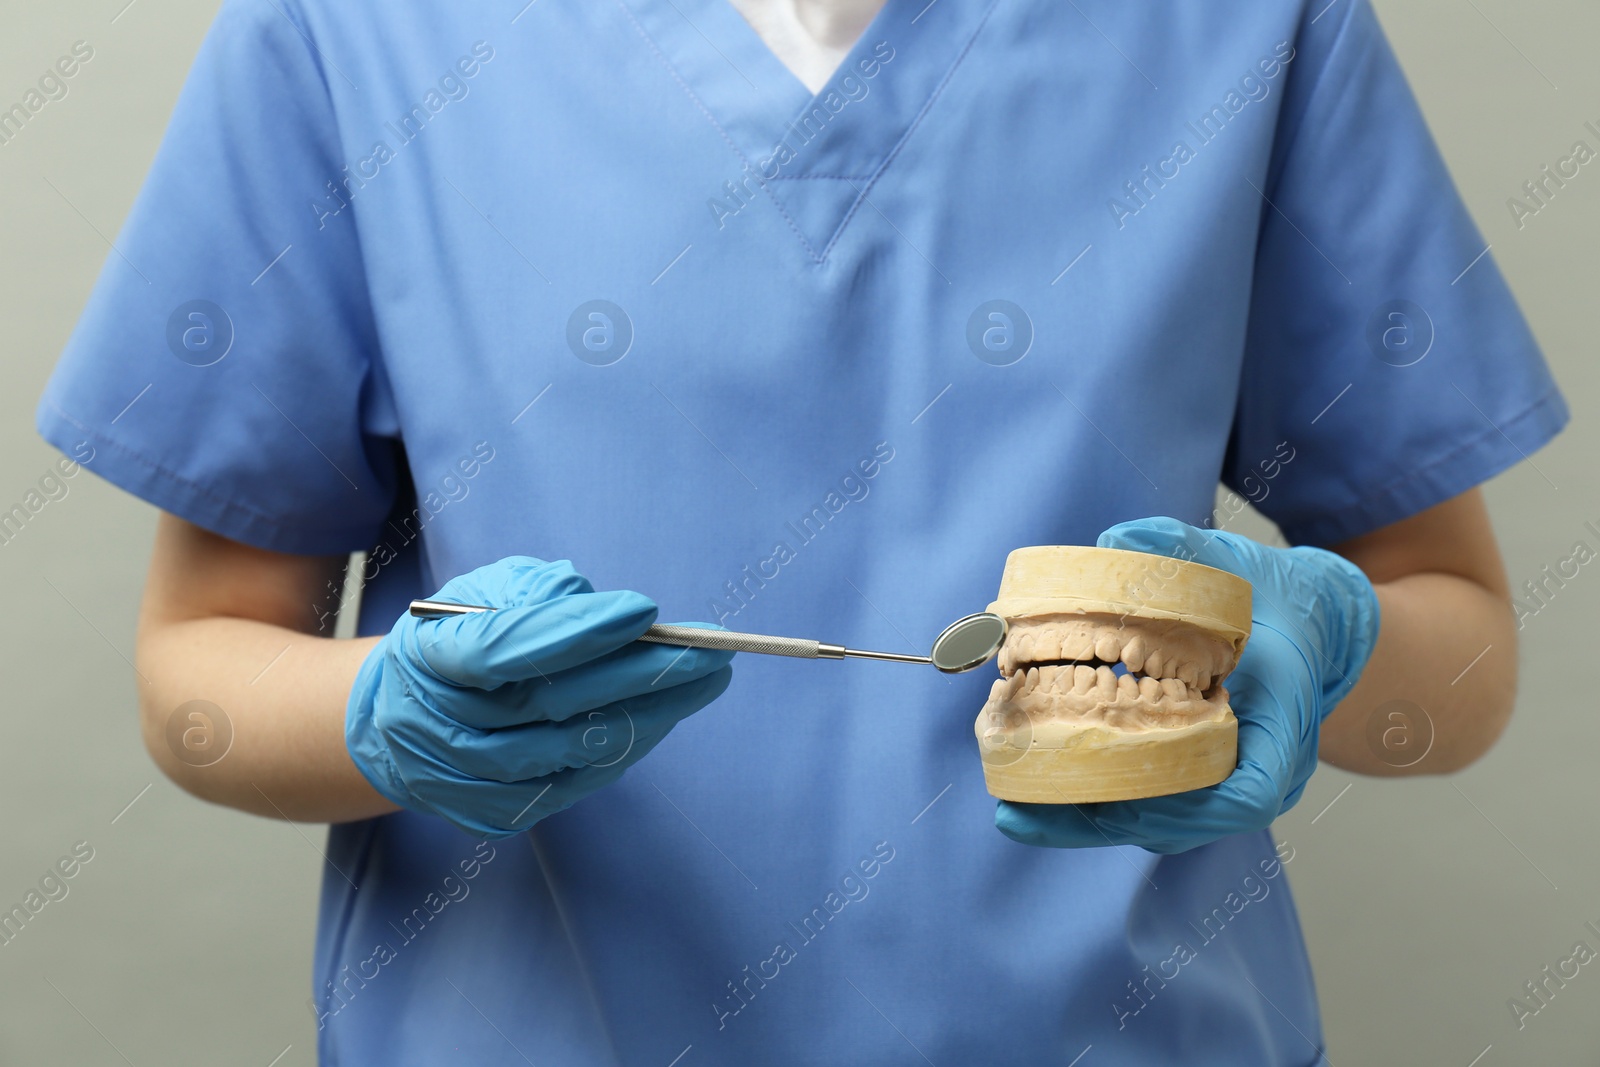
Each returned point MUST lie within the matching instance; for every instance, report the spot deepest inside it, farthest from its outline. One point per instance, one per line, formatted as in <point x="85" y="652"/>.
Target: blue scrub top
<point x="603" y="281"/>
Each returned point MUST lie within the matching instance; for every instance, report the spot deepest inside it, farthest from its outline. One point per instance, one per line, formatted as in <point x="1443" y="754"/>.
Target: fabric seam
<point x="690" y="93"/>
<point x="1388" y="490"/>
<point x="178" y="479"/>
<point x="916" y="122"/>
<point x="344" y="924"/>
<point x="1316" y="88"/>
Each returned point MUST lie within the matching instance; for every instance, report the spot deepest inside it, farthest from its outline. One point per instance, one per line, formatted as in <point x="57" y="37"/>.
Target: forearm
<point x="283" y="694"/>
<point x="1448" y="646"/>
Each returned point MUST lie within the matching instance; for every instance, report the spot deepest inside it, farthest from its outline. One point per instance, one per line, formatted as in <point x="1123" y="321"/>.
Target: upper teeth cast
<point x="1172" y="671"/>
<point x="1158" y="648"/>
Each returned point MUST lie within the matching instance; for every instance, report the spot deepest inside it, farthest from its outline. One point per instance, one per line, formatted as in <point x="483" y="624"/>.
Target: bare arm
<point x="236" y="626"/>
<point x="1445" y="603"/>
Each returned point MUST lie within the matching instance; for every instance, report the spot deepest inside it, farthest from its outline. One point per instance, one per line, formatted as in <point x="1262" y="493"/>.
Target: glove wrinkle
<point x="496" y="720"/>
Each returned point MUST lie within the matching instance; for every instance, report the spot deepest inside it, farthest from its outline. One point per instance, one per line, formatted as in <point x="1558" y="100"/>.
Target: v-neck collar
<point x="813" y="157"/>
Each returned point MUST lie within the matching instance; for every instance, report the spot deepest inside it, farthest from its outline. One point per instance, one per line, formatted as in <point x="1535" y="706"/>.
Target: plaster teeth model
<point x="1111" y="676"/>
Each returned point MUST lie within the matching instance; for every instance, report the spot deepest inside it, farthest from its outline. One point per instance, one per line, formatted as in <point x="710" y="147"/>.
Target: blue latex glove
<point x="498" y="719"/>
<point x="1314" y="625"/>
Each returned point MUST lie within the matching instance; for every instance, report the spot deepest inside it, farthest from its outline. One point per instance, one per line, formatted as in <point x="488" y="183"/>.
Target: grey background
<point x="187" y="939"/>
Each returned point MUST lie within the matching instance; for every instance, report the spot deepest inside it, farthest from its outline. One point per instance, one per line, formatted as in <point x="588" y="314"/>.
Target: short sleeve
<point x="1385" y="357"/>
<point x="226" y="367"/>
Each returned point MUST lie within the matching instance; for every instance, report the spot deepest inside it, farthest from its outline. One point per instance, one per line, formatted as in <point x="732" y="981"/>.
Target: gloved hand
<point x="497" y="719"/>
<point x="1314" y="625"/>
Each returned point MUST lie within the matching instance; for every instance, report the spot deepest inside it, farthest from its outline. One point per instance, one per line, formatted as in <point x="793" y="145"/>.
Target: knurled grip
<point x="695" y="637"/>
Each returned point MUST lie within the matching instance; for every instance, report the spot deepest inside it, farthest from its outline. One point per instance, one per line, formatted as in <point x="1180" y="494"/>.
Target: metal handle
<point x="695" y="637"/>
<point x="443" y="609"/>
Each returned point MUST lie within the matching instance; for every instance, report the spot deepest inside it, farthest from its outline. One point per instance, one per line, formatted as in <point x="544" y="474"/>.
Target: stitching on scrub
<point x="276" y="524"/>
<point x="293" y="14"/>
<point x="345" y="921"/>
<point x="313" y="55"/>
<point x="1389" y="490"/>
<point x="531" y="835"/>
<point x="820" y="177"/>
<point x="665" y="62"/>
<point x="894" y="152"/>
<point x="308" y="45"/>
<point x="1492" y="431"/>
<point x="1316" y="86"/>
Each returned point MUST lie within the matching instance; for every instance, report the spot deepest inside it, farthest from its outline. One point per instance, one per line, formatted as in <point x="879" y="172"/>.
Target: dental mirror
<point x="970" y="641"/>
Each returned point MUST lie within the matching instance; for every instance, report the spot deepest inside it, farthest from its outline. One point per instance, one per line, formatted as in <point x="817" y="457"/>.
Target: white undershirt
<point x="811" y="37"/>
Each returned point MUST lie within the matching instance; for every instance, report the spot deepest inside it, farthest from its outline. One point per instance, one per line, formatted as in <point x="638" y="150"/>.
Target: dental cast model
<point x="1062" y="726"/>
